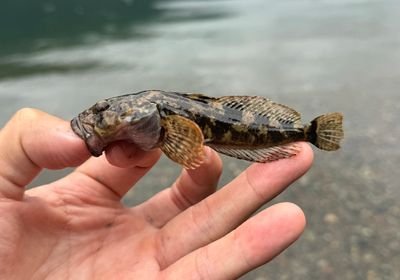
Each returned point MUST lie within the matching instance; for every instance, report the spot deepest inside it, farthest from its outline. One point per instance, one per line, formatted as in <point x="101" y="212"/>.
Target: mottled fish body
<point x="245" y="127"/>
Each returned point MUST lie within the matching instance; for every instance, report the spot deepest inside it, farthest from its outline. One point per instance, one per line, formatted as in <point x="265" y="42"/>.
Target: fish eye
<point x="101" y="106"/>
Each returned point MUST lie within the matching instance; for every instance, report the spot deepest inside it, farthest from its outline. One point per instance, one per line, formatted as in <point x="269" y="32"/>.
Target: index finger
<point x="33" y="140"/>
<point x="112" y="175"/>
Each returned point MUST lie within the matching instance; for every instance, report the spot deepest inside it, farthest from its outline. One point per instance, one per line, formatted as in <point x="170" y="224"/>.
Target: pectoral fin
<point x="183" y="141"/>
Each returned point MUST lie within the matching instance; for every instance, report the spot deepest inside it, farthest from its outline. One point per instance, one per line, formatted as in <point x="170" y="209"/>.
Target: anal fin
<point x="183" y="141"/>
<point x="259" y="154"/>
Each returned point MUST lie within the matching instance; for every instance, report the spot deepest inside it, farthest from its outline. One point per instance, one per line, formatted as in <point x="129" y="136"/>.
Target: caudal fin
<point x="326" y="131"/>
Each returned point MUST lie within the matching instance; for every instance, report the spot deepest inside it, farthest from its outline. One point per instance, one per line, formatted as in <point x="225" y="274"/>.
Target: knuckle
<point x="161" y="242"/>
<point x="203" y="220"/>
<point x="254" y="188"/>
<point x="177" y="196"/>
<point x="22" y="128"/>
<point x="26" y="115"/>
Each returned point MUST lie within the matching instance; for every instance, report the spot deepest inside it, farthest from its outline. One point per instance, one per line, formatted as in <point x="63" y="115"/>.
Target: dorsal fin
<point x="262" y="107"/>
<point x="199" y="97"/>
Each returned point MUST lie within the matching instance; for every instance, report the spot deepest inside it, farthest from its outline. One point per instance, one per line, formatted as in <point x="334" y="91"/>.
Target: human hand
<point x="77" y="228"/>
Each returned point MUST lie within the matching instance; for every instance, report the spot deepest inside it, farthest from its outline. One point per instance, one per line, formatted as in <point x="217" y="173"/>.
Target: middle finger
<point x="109" y="181"/>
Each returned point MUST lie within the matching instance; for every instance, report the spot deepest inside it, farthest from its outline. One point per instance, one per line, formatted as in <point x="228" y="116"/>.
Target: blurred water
<point x="316" y="56"/>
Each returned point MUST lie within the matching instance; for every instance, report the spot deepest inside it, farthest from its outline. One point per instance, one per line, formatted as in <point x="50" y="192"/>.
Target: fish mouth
<point x="78" y="128"/>
<point x="93" y="142"/>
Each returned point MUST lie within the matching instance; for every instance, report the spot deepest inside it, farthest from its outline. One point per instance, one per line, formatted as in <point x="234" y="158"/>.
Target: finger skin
<point x="33" y="140"/>
<point x="223" y="211"/>
<point x="123" y="154"/>
<point x="192" y="186"/>
<point x="252" y="244"/>
<point x="118" y="180"/>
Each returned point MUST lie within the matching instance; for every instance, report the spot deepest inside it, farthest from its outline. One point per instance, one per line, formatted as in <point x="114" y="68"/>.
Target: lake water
<point x="316" y="56"/>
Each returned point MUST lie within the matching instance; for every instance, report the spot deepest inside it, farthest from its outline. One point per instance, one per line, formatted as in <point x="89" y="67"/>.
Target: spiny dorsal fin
<point x="199" y="97"/>
<point x="262" y="107"/>
<point x="259" y="155"/>
<point x="183" y="141"/>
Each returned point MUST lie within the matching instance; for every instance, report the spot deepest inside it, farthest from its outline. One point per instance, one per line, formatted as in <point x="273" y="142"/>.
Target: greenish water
<point x="316" y="56"/>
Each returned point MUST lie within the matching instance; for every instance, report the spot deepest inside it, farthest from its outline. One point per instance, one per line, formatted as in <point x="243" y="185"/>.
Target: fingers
<point x="221" y="212"/>
<point x="123" y="154"/>
<point x="191" y="187"/>
<point x="32" y="140"/>
<point x="252" y="244"/>
<point x="98" y="177"/>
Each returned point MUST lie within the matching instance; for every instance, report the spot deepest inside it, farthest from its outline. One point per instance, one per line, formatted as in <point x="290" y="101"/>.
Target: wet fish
<point x="252" y="128"/>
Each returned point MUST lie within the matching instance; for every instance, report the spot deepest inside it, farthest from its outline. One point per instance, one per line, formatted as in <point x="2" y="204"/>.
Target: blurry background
<point x="314" y="55"/>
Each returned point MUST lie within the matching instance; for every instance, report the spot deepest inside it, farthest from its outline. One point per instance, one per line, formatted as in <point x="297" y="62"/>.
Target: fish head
<point x="114" y="119"/>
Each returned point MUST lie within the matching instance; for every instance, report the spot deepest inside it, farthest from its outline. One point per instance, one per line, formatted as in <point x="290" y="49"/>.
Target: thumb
<point x="33" y="140"/>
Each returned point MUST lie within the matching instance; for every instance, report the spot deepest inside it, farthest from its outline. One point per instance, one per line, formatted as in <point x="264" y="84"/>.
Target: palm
<point x="77" y="228"/>
<point x="93" y="239"/>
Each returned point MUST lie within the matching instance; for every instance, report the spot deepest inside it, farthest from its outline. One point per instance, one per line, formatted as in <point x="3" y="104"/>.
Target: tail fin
<point x="326" y="131"/>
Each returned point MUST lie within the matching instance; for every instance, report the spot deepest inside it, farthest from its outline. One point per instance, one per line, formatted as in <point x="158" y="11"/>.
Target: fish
<point x="251" y="128"/>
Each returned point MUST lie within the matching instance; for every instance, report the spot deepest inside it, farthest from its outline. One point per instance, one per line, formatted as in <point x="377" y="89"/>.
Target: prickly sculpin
<point x="252" y="128"/>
